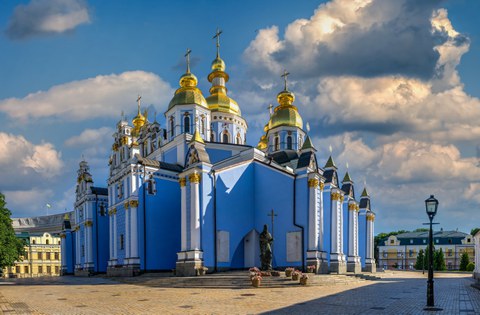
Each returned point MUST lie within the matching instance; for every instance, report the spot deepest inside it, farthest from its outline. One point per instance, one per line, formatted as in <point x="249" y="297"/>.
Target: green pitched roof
<point x="330" y="163"/>
<point x="307" y="144"/>
<point x="364" y="192"/>
<point x="347" y="178"/>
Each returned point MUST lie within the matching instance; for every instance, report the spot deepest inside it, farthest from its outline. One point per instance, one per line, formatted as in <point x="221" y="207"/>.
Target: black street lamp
<point x="431" y="205"/>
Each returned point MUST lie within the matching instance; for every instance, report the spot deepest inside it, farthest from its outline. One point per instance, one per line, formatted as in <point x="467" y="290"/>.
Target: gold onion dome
<point x="188" y="93"/>
<point x="285" y="114"/>
<point x="262" y="145"/>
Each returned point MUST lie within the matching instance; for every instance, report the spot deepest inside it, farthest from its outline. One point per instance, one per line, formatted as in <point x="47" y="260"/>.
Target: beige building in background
<point x="42" y="250"/>
<point x="400" y="251"/>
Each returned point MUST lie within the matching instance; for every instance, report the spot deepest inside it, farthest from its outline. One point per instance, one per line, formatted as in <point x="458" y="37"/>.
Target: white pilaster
<point x="115" y="238"/>
<point x="183" y="190"/>
<point x="195" y="211"/>
<point x="351" y="229"/>
<point x="126" y="240"/>
<point x="110" y="235"/>
<point x="313" y="213"/>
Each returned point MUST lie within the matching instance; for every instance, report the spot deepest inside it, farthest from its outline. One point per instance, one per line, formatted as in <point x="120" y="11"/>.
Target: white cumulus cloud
<point x="101" y="96"/>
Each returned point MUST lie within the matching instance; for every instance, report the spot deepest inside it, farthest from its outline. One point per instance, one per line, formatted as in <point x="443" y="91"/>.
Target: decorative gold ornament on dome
<point x="139" y="120"/>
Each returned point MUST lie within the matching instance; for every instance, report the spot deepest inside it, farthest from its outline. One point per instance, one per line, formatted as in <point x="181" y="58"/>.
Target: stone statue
<point x="266" y="240"/>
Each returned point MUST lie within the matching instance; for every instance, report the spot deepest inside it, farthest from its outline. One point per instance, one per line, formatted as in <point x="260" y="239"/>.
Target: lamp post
<point x="431" y="205"/>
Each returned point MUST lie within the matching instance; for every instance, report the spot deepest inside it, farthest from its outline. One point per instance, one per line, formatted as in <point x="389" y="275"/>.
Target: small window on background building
<point x="17" y="269"/>
<point x="436" y="241"/>
<point x="57" y="270"/>
<point x="40" y="256"/>
<point x="48" y="255"/>
<point x="411" y="241"/>
<point x="47" y="242"/>
<point x="424" y="241"/>
<point x="40" y="269"/>
<point x="392" y="241"/>
<point x="122" y="241"/>
<point x="49" y="269"/>
<point x="25" y="269"/>
<point x="57" y="255"/>
<point x="33" y="242"/>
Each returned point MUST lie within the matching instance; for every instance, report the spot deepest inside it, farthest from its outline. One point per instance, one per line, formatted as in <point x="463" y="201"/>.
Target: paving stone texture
<point x="395" y="293"/>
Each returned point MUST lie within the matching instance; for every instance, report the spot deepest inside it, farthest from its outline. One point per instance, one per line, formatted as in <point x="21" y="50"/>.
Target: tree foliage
<point x="420" y="263"/>
<point x="470" y="266"/>
<point x="439" y="260"/>
<point x="10" y="247"/>
<point x="464" y="260"/>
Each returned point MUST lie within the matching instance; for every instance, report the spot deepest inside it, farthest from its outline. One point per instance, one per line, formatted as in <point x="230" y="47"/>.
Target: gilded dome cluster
<point x="188" y="93"/>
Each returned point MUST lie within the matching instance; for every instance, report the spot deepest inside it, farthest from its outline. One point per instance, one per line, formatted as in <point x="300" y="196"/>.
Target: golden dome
<point x="220" y="102"/>
<point x="285" y="113"/>
<point x="262" y="144"/>
<point x="188" y="93"/>
<point x="218" y="64"/>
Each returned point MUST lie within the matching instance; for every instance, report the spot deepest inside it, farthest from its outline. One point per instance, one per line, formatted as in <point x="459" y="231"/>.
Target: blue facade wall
<point x="159" y="225"/>
<point x="120" y="231"/>
<point x="218" y="155"/>
<point x="101" y="234"/>
<point x="170" y="156"/>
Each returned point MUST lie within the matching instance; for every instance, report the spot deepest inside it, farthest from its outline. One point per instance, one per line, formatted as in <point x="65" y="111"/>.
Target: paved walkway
<point x="396" y="293"/>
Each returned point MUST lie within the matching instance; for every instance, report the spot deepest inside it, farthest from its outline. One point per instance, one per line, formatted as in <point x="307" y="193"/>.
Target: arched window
<point x="202" y="125"/>
<point x="289" y="142"/>
<point x="225" y="137"/>
<point x="239" y="139"/>
<point x="172" y="127"/>
<point x="186" y="123"/>
<point x="47" y="242"/>
<point x="277" y="143"/>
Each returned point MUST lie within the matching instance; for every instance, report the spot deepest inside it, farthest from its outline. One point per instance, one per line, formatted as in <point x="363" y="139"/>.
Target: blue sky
<point x="390" y="85"/>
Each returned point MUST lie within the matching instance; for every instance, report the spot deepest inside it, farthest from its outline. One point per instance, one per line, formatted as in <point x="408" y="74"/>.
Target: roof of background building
<point x="443" y="237"/>
<point x="48" y="223"/>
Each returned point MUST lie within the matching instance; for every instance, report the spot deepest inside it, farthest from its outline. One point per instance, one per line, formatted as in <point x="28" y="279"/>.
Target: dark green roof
<point x="330" y="163"/>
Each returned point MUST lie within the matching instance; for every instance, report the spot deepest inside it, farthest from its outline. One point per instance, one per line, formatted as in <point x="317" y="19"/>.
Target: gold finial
<point x="187" y="55"/>
<point x="285" y="77"/>
<point x="217" y="36"/>
<point x="138" y="103"/>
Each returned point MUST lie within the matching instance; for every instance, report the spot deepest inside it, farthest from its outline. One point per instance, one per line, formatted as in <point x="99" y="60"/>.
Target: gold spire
<point x="218" y="99"/>
<point x="196" y="135"/>
<point x="139" y="120"/>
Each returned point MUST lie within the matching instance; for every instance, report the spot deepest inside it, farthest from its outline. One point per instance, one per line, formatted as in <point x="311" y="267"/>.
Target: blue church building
<point x="193" y="194"/>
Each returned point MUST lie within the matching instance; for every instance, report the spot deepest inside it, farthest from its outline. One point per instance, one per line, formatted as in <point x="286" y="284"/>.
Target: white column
<point x="114" y="233"/>
<point x="356" y="231"/>
<point x="334" y="233"/>
<point x="89" y="241"/>
<point x="126" y="241"/>
<point x="194" y="211"/>
<point x="183" y="189"/>
<point x="320" y="214"/>
<point x="312" y="214"/>
<point x="369" y="248"/>
<point x="110" y="235"/>
<point x="133" y="229"/>
<point x="351" y="229"/>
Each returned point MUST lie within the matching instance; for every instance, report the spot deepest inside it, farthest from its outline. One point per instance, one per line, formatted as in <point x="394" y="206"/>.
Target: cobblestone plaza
<point x="394" y="293"/>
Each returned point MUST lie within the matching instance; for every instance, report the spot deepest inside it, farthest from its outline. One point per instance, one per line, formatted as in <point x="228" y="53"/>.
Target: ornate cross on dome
<point x="217" y="36"/>
<point x="270" y="109"/>
<point x="285" y="77"/>
<point x="187" y="55"/>
<point x="138" y="102"/>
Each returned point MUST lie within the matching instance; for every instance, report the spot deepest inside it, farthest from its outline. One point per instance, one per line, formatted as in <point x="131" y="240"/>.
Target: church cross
<point x="270" y="109"/>
<point x="285" y="78"/>
<point x="187" y="55"/>
<point x="272" y="214"/>
<point x="217" y="36"/>
<point x="138" y="102"/>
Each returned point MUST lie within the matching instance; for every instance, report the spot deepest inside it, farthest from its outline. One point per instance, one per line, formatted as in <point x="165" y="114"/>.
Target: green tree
<point x="474" y="231"/>
<point x="470" y="266"/>
<point x="10" y="247"/>
<point x="464" y="260"/>
<point x="419" y="264"/>
<point x="439" y="260"/>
